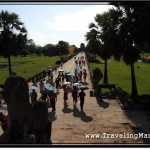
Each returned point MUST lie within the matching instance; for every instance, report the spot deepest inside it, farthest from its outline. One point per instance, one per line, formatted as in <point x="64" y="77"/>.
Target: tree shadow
<point x="103" y="104"/>
<point x="52" y="116"/>
<point x="66" y="109"/>
<point x="97" y="75"/>
<point x="139" y="122"/>
<point x="109" y="95"/>
<point x="138" y="116"/>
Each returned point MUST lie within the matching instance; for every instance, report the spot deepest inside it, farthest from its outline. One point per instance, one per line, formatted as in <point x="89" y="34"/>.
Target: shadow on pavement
<point x="85" y="118"/>
<point x="140" y="122"/>
<point x="76" y="112"/>
<point x="102" y="103"/>
<point x="82" y="115"/>
<point x="66" y="109"/>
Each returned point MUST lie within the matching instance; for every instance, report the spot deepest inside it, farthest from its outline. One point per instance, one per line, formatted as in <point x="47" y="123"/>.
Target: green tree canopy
<point x="13" y="35"/>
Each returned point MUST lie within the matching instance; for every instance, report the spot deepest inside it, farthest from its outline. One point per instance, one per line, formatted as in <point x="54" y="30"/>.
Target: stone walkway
<point x="100" y="118"/>
<point x="70" y="126"/>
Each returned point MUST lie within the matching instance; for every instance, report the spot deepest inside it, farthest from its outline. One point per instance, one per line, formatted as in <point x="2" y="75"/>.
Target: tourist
<point x="65" y="88"/>
<point x="62" y="77"/>
<point x="84" y="75"/>
<point x="41" y="86"/>
<point x="51" y="75"/>
<point x="34" y="84"/>
<point x="80" y="75"/>
<point x="43" y="125"/>
<point x="5" y="121"/>
<point x="82" y="95"/>
<point x="44" y="95"/>
<point x="57" y="81"/>
<point x="74" y="96"/>
<point x="53" y="98"/>
<point x="33" y="96"/>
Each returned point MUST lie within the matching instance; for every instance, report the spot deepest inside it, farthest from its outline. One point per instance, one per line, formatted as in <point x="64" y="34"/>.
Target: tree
<point x="31" y="46"/>
<point x="82" y="47"/>
<point x="24" y="53"/>
<point x="103" y="37"/>
<point x="13" y="36"/>
<point x="134" y="29"/>
<point x="63" y="47"/>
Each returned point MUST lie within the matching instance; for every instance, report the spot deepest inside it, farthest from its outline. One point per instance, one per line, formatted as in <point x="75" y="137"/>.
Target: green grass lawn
<point x="119" y="73"/>
<point x="25" y="66"/>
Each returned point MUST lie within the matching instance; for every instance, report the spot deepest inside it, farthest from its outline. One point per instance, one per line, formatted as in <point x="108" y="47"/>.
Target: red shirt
<point x="66" y="90"/>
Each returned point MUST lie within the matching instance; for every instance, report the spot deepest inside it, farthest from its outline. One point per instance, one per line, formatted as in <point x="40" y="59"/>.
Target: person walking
<point x="74" y="96"/>
<point x="44" y="95"/>
<point x="57" y="81"/>
<point x="41" y="86"/>
<point x="82" y="96"/>
<point x="65" y="88"/>
<point x="53" y="98"/>
<point x="62" y="77"/>
<point x="84" y="75"/>
<point x="33" y="96"/>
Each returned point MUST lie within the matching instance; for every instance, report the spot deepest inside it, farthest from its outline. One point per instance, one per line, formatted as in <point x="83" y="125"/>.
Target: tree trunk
<point x="105" y="73"/>
<point x="9" y="65"/>
<point x="134" y="93"/>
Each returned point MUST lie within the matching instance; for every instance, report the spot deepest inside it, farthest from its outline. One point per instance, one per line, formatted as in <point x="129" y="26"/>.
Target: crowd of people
<point x="63" y="82"/>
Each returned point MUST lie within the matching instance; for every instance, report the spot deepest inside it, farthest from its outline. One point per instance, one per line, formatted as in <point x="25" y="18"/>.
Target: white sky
<point x="51" y="23"/>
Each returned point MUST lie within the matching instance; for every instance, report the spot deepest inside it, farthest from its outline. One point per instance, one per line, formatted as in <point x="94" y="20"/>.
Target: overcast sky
<point x="52" y="23"/>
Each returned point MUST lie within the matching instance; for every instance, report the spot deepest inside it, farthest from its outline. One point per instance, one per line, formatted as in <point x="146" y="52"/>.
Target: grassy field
<point x="119" y="73"/>
<point x="25" y="66"/>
